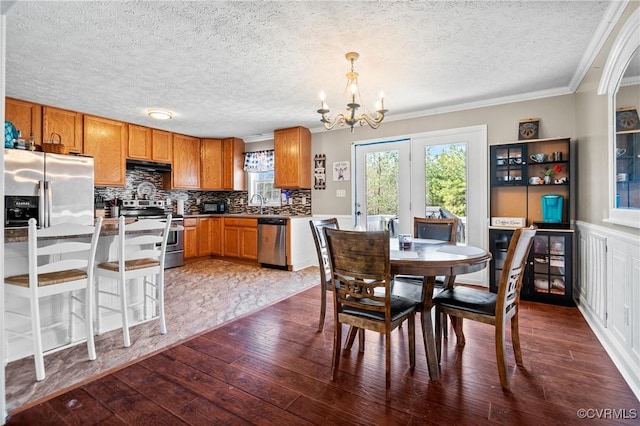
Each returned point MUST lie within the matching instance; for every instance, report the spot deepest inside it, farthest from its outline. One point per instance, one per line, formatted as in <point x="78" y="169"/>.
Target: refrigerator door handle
<point x="41" y="204"/>
<point x="47" y="186"/>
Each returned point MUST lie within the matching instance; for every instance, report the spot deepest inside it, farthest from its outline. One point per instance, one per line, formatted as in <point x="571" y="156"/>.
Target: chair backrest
<point x="54" y="249"/>
<point x="143" y="239"/>
<point x="510" y="283"/>
<point x="360" y="264"/>
<point x="317" y="227"/>
<point x="435" y="229"/>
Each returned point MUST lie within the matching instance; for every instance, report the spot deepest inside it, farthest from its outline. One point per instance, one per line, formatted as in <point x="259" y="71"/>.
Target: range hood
<point x="150" y="166"/>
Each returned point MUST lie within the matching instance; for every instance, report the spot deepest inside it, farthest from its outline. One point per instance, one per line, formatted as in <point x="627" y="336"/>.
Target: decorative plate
<point x="146" y="190"/>
<point x="627" y="120"/>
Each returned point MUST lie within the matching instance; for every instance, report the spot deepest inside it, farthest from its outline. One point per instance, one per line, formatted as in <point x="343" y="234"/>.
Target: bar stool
<point x="58" y="263"/>
<point x="141" y="251"/>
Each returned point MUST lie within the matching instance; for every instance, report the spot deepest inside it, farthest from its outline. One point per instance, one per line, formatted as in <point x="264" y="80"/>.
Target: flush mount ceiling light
<point x="351" y="117"/>
<point x="160" y="114"/>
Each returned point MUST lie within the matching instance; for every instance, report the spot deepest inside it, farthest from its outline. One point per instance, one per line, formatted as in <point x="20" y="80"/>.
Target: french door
<point x="382" y="184"/>
<point x="396" y="180"/>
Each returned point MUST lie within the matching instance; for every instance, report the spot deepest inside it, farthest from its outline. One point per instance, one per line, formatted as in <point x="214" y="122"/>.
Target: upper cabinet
<point x="67" y="124"/>
<point x="149" y="144"/>
<point x="139" y="142"/>
<point x="222" y="164"/>
<point x="211" y="158"/>
<point x="292" y="151"/>
<point x="233" y="164"/>
<point x="26" y="116"/>
<point x="106" y="141"/>
<point x="186" y="163"/>
<point x="161" y="146"/>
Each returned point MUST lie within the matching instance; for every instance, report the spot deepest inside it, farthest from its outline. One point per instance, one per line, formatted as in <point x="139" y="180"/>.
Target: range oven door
<point x="175" y="246"/>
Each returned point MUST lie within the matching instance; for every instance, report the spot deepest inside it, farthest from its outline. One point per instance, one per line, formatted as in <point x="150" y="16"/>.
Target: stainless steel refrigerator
<point x="60" y="185"/>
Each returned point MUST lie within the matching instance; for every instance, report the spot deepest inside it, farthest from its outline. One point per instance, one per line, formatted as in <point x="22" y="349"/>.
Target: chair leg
<point x="323" y="306"/>
<point x="500" y="351"/>
<point x="438" y="328"/>
<point x="387" y="365"/>
<point x="38" y="357"/>
<point x="412" y="340"/>
<point x="351" y="337"/>
<point x="361" y="341"/>
<point x="160" y="288"/>
<point x="97" y="306"/>
<point x="88" y="322"/>
<point x="123" y="306"/>
<point x="515" y="340"/>
<point x="337" y="343"/>
<point x="445" y="326"/>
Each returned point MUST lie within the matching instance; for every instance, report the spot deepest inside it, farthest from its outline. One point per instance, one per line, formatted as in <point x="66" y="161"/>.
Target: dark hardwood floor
<point x="271" y="367"/>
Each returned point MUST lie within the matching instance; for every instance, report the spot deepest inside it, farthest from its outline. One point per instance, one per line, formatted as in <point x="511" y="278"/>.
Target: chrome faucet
<point x="261" y="200"/>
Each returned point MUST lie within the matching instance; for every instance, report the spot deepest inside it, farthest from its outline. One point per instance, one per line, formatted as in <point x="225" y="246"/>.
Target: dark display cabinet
<point x="517" y="179"/>
<point x="548" y="274"/>
<point x="521" y="197"/>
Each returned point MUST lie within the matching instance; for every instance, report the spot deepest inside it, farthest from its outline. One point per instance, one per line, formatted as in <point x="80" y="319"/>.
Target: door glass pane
<point x="382" y="193"/>
<point x="446" y="183"/>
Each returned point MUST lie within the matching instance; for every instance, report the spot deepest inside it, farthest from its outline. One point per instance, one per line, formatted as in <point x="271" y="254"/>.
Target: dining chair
<point x="441" y="229"/>
<point x="141" y="248"/>
<point x="491" y="308"/>
<point x="361" y="272"/>
<point x="60" y="260"/>
<point x="323" y="262"/>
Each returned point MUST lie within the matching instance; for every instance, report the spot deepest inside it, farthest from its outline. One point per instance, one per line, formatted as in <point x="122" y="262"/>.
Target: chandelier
<point x="351" y="117"/>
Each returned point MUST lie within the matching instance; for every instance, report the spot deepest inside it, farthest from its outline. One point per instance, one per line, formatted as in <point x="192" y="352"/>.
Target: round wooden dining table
<point x="429" y="259"/>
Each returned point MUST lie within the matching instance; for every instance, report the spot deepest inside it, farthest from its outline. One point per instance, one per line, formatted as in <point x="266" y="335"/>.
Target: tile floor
<point x="199" y="296"/>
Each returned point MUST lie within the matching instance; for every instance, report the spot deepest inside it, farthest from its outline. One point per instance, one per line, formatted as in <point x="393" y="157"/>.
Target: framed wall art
<point x="341" y="171"/>
<point x="528" y="128"/>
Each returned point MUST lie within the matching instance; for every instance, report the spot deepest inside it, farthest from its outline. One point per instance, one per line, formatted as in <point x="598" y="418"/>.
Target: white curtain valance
<point x="258" y="161"/>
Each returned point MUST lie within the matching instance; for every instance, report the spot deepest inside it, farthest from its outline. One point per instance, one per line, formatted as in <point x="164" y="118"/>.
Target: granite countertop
<point x="248" y="215"/>
<point x="109" y="228"/>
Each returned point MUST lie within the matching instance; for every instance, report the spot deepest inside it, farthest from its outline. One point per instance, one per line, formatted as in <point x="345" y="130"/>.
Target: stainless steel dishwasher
<point x="272" y="241"/>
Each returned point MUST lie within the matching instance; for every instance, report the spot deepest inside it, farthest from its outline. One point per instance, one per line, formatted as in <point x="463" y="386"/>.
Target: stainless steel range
<point x="155" y="209"/>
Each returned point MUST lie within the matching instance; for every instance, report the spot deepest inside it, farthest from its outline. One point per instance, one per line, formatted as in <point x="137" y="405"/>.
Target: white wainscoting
<point x="607" y="292"/>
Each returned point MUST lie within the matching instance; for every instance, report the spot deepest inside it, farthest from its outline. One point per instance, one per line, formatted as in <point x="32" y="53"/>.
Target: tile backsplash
<point x="236" y="200"/>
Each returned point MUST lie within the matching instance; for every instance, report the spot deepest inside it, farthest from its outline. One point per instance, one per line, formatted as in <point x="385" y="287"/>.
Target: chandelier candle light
<point x="351" y="117"/>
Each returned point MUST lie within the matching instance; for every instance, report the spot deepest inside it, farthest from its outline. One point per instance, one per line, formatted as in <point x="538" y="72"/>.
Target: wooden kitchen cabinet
<point x="139" y="142"/>
<point x="292" y="152"/>
<point x="222" y="163"/>
<point x="204" y="236"/>
<point x="241" y="238"/>
<point x="216" y="236"/>
<point x="190" y="237"/>
<point x="105" y="140"/>
<point x="25" y="116"/>
<point x="185" y="172"/>
<point x="161" y="146"/>
<point x="68" y="124"/>
<point x="211" y="161"/>
<point x="233" y="164"/>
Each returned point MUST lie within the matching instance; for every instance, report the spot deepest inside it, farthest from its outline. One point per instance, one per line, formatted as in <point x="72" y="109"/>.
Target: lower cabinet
<point x="190" y="237"/>
<point x="548" y="274"/>
<point x="218" y="236"/>
<point x="241" y="238"/>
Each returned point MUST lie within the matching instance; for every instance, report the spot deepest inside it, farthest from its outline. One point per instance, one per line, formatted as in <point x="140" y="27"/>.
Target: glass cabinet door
<point x="550" y="265"/>
<point x="507" y="164"/>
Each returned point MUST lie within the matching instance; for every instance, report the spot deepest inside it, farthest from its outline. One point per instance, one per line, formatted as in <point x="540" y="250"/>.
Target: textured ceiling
<point x="246" y="68"/>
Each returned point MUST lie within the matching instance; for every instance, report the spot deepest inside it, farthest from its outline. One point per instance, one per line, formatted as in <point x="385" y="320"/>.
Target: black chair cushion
<point x="467" y="299"/>
<point x="400" y="306"/>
